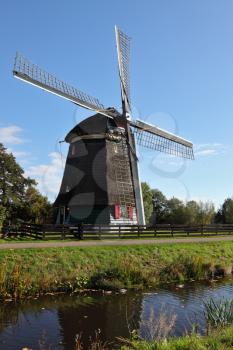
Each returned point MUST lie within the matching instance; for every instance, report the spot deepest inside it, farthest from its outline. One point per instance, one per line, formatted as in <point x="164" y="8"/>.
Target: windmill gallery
<point x="101" y="178"/>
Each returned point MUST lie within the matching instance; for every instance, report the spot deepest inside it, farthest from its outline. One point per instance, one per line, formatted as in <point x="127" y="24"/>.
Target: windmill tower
<point x="101" y="178"/>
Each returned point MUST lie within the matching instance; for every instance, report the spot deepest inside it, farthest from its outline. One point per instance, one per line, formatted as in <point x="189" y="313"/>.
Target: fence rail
<point x="83" y="231"/>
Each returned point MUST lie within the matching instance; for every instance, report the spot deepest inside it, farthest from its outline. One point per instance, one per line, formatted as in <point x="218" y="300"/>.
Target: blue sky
<point x="181" y="80"/>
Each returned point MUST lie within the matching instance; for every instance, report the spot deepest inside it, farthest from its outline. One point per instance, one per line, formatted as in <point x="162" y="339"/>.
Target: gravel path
<point x="120" y="242"/>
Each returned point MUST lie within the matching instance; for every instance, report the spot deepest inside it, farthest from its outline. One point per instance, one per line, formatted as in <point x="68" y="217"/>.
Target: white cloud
<point x="203" y="145"/>
<point x="23" y="157"/>
<point x="206" y="152"/>
<point x="209" y="149"/>
<point x="21" y="154"/>
<point x="10" y="135"/>
<point x="18" y="154"/>
<point x="48" y="176"/>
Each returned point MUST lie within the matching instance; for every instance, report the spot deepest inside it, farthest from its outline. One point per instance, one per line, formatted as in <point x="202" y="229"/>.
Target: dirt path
<point x="115" y="242"/>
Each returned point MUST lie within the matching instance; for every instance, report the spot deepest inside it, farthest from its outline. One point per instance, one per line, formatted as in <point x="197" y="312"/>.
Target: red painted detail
<point x="117" y="211"/>
<point x="130" y="213"/>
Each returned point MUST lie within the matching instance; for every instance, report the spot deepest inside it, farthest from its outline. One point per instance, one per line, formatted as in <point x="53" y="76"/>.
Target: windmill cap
<point x="96" y="124"/>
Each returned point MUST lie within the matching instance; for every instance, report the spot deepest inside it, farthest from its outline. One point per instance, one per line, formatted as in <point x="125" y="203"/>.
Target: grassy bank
<point x="29" y="272"/>
<point x="219" y="340"/>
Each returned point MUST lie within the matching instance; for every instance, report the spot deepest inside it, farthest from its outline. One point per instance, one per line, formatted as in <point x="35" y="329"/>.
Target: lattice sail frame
<point x="150" y="136"/>
<point x="33" y="74"/>
<point x="124" y="194"/>
<point x="146" y="135"/>
<point x="123" y="53"/>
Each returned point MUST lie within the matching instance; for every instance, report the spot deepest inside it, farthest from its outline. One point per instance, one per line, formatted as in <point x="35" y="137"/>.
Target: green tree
<point x="219" y="217"/>
<point x="192" y="211"/>
<point x="147" y="200"/>
<point x="19" y="199"/>
<point x="227" y="211"/>
<point x="176" y="211"/>
<point x="12" y="183"/>
<point x="2" y="216"/>
<point x="36" y="208"/>
<point x="160" y="208"/>
<point x="206" y="213"/>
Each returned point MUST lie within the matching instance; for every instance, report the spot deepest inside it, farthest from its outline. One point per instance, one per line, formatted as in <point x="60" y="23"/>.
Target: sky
<point x="181" y="80"/>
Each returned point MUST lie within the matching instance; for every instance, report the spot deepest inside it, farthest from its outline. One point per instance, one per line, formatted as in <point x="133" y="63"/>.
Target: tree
<point x="176" y="211"/>
<point x="160" y="208"/>
<point x="225" y="214"/>
<point x="147" y="200"/>
<point x="12" y="183"/>
<point x="37" y="208"/>
<point x="206" y="213"/>
<point x="192" y="212"/>
<point x="19" y="199"/>
<point x="218" y="219"/>
<point x="2" y="216"/>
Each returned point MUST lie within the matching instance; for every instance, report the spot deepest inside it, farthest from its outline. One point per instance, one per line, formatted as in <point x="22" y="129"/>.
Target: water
<point x="54" y="321"/>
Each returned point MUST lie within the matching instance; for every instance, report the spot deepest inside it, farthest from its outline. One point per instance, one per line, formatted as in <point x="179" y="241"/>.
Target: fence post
<point x="119" y="232"/>
<point x="80" y="231"/>
<point x="155" y="231"/>
<point x="202" y="229"/>
<point x="138" y="231"/>
<point x="63" y="235"/>
<point x="37" y="231"/>
<point x="43" y="232"/>
<point x="172" y="233"/>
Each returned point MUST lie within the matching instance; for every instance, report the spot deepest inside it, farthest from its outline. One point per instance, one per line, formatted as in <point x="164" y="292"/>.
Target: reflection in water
<point x="57" y="320"/>
<point x="113" y="315"/>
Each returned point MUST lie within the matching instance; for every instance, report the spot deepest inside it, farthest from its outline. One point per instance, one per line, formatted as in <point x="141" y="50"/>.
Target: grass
<point x="32" y="240"/>
<point x="221" y="339"/>
<point x="29" y="272"/>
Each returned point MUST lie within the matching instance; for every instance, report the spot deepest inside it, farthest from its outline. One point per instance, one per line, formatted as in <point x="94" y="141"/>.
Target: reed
<point x="158" y="326"/>
<point x="95" y="343"/>
<point x="218" y="313"/>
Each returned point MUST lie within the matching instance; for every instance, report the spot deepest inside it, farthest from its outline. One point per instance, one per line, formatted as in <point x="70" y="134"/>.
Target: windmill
<point x="101" y="179"/>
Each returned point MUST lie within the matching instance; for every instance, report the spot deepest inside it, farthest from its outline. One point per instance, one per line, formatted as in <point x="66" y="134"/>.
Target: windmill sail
<point x="152" y="137"/>
<point x="32" y="74"/>
<point x="123" y="54"/>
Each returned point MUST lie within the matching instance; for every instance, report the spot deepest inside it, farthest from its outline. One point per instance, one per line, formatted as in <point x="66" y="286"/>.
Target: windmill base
<point x="104" y="215"/>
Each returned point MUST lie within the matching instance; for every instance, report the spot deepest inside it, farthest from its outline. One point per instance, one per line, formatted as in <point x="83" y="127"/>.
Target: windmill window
<point x="130" y="213"/>
<point x="117" y="211"/>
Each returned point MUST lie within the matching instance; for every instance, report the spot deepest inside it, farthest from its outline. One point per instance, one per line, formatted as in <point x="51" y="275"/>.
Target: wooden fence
<point x="83" y="231"/>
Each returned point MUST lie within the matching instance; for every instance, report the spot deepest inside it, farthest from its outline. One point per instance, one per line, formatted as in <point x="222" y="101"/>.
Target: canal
<point x="52" y="322"/>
